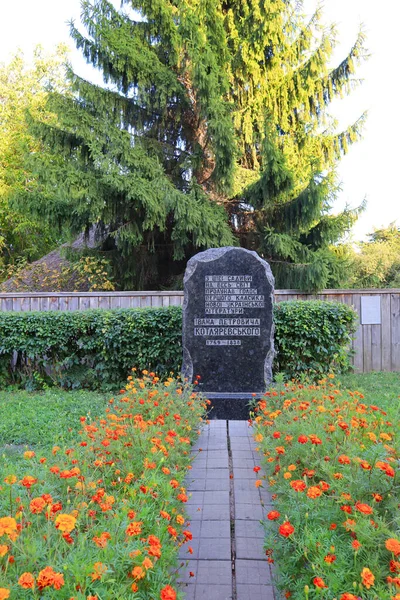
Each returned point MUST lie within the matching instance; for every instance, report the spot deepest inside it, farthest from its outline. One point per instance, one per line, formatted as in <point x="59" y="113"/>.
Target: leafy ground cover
<point x="102" y="517"/>
<point x="331" y="459"/>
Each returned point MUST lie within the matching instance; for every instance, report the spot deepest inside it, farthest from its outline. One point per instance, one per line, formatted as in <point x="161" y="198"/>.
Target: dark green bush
<point x="95" y="349"/>
<point x="313" y="337"/>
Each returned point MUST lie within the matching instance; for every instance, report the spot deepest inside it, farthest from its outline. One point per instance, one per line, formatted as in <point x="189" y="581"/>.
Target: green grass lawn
<point x="382" y="389"/>
<point x="40" y="420"/>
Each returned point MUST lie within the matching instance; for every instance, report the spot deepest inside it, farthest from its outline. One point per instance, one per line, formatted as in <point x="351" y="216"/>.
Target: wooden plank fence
<point x="376" y="343"/>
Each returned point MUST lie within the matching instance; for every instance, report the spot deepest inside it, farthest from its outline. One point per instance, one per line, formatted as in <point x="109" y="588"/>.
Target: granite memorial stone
<point x="228" y="328"/>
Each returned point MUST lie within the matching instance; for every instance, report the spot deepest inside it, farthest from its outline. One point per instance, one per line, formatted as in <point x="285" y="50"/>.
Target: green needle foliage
<point x="211" y="129"/>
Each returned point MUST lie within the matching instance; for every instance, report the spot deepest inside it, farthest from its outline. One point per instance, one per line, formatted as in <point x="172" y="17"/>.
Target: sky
<point x="370" y="168"/>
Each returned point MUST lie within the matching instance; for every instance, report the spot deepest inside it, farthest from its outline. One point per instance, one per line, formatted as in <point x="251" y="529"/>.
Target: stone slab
<point x="228" y="328"/>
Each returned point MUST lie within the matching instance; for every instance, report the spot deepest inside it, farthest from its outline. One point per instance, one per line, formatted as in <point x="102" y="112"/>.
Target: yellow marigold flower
<point x="65" y="523"/>
<point x="8" y="526"/>
<point x="367" y="578"/>
<point x="10" y="479"/>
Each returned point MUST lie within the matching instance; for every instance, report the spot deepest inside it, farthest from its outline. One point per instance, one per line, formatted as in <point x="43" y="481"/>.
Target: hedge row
<point x="96" y="349"/>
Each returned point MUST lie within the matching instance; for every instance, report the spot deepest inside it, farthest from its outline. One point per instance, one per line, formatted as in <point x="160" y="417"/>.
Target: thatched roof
<point x="52" y="271"/>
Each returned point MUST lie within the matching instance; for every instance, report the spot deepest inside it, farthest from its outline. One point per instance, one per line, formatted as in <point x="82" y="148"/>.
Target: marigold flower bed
<point x="332" y="463"/>
<point x="105" y="518"/>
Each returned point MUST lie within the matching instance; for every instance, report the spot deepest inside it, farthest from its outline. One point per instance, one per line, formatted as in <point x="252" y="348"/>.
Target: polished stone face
<point x="227" y="321"/>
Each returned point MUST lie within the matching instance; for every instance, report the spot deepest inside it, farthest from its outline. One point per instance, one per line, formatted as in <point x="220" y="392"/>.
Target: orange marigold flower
<point x="356" y="544"/>
<point x="280" y="450"/>
<point x="273" y="515"/>
<point x="348" y="596"/>
<point x="330" y="558"/>
<point x="174" y="483"/>
<point x="134" y="528"/>
<point x="385" y="467"/>
<point x="138" y="573"/>
<point x="314" y="492"/>
<point x="102" y="539"/>
<point x="349" y="524"/>
<point x="367" y="578"/>
<point x="180" y="520"/>
<point x="256" y="469"/>
<point x="258" y="483"/>
<point x="364" y="508"/>
<point x="147" y="564"/>
<point x="28" y="481"/>
<point x="48" y="577"/>
<point x="4" y="593"/>
<point x="393" y="546"/>
<point x="168" y="593"/>
<point x="37" y="505"/>
<point x="309" y="472"/>
<point x="58" y="581"/>
<point x="365" y="465"/>
<point x="394" y="566"/>
<point x="344" y="459"/>
<point x="286" y="529"/>
<point x="65" y="523"/>
<point x="319" y="582"/>
<point x="3" y="550"/>
<point x="98" y="571"/>
<point x="377" y="497"/>
<point x="27" y="581"/>
<point x="154" y="540"/>
<point x="302" y="439"/>
<point x="8" y="526"/>
<point x="315" y="439"/>
<point x="298" y="485"/>
<point x="346" y="508"/>
<point x="29" y="454"/>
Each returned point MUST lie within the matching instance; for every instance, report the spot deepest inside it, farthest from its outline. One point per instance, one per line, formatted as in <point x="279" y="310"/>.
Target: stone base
<point x="230" y="406"/>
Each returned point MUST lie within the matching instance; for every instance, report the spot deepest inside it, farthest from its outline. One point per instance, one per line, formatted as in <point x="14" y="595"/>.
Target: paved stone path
<point x="225" y="508"/>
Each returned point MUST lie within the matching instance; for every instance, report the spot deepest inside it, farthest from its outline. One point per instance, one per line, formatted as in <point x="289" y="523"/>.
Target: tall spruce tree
<point x="211" y="129"/>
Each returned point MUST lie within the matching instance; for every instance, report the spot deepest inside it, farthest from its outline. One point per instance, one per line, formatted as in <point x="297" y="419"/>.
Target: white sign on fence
<point x="371" y="310"/>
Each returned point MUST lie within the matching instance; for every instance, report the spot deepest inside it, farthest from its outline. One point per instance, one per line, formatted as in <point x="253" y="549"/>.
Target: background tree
<point x="376" y="263"/>
<point x="211" y="129"/>
<point x="23" y="237"/>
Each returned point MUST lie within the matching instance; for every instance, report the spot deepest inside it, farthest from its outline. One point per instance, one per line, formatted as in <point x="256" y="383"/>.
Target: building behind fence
<point x="376" y="344"/>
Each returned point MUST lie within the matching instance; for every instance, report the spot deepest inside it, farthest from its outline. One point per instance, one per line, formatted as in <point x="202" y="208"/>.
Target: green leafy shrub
<point x="313" y="337"/>
<point x="96" y="349"/>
